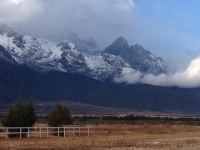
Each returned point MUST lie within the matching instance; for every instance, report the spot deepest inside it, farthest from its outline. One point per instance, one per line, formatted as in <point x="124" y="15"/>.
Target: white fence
<point x="41" y="132"/>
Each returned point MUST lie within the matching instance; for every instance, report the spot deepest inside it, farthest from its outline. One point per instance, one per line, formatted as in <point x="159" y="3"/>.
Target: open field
<point x="116" y="137"/>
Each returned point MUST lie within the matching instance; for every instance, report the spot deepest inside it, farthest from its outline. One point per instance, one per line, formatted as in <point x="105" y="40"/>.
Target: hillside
<point x="18" y="81"/>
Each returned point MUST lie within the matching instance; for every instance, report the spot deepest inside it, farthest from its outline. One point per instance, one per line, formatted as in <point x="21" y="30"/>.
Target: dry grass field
<point x="116" y="137"/>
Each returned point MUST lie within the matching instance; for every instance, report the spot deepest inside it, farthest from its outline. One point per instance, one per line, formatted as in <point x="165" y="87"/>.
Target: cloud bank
<point x="103" y="20"/>
<point x="55" y="18"/>
<point x="188" y="78"/>
<point x="15" y="11"/>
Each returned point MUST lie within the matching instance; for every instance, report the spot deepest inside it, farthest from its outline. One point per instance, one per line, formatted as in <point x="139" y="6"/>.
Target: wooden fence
<point x="28" y="132"/>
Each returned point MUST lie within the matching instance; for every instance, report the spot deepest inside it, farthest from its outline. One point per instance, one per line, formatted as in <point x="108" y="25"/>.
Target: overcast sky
<point x="169" y="28"/>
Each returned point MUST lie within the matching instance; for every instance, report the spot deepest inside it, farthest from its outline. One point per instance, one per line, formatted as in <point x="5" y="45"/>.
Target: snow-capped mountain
<point x="64" y="56"/>
<point x="139" y="58"/>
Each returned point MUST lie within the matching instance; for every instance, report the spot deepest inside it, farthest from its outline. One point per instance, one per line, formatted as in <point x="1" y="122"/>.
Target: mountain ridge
<point x="138" y="57"/>
<point x="64" y="56"/>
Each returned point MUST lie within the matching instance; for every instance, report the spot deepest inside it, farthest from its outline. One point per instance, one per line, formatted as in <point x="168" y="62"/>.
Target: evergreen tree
<point x="59" y="116"/>
<point x="21" y="114"/>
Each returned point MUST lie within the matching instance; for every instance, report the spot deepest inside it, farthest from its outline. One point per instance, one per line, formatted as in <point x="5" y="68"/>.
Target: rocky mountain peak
<point x="120" y="43"/>
<point x="137" y="56"/>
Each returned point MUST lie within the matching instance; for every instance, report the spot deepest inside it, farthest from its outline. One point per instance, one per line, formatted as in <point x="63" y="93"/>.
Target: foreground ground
<point x="117" y="137"/>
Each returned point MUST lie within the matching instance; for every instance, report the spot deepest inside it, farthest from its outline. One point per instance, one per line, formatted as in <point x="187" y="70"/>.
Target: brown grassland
<point x="116" y="137"/>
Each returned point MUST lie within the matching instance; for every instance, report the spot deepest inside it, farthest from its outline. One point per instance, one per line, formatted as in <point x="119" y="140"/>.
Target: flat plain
<point x="116" y="137"/>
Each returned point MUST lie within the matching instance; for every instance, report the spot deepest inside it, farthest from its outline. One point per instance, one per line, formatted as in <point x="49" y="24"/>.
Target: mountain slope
<point x="5" y="55"/>
<point x="44" y="55"/>
<point x="19" y="81"/>
<point x="139" y="58"/>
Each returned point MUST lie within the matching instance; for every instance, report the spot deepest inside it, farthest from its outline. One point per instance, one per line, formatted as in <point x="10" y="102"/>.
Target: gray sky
<point x="103" y="20"/>
<point x="146" y="22"/>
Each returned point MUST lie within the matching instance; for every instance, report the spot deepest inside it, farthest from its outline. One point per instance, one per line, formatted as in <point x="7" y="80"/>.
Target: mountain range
<point x="65" y="56"/>
<point x="42" y="70"/>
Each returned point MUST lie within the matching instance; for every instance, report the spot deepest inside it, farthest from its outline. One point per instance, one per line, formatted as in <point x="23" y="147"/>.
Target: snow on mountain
<point x="106" y="65"/>
<point x="64" y="56"/>
<point x="139" y="58"/>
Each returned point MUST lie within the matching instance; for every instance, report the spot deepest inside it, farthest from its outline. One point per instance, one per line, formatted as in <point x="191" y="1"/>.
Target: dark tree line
<point x="23" y="114"/>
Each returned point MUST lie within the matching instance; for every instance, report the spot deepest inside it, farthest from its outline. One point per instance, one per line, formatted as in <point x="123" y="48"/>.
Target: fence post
<point x="40" y="132"/>
<point x="88" y="131"/>
<point x="64" y="132"/>
<point x="20" y="132"/>
<point x="73" y="131"/>
<point x="6" y="133"/>
<point x="47" y="132"/>
<point x="28" y="133"/>
<point x="58" y="132"/>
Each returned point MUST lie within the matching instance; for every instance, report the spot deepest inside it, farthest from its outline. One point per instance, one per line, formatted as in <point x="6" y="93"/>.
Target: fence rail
<point x="41" y="132"/>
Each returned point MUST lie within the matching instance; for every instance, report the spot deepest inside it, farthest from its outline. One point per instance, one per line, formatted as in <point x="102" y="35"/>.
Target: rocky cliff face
<point x="139" y="58"/>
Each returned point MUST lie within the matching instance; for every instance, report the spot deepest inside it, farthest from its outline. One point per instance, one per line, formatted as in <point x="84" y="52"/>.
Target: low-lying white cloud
<point x="188" y="78"/>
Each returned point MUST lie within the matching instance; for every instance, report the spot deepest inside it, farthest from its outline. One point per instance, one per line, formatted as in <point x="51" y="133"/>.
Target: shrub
<point x="59" y="116"/>
<point x="21" y="114"/>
